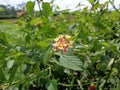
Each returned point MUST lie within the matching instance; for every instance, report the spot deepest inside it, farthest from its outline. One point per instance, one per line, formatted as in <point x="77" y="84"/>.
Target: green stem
<point x="112" y="3"/>
<point x="80" y="85"/>
<point x="39" y="7"/>
<point x="67" y="85"/>
<point x="72" y="82"/>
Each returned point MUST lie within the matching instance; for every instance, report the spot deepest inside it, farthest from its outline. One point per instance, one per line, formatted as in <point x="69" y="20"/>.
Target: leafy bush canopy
<point x="61" y="50"/>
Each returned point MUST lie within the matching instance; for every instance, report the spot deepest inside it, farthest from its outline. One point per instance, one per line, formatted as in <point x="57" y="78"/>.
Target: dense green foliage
<point x="28" y="60"/>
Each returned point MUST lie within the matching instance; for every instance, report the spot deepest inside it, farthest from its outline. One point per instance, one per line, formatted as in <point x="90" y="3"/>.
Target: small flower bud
<point x="67" y="36"/>
<point x="92" y="87"/>
<point x="20" y="14"/>
<point x="38" y="23"/>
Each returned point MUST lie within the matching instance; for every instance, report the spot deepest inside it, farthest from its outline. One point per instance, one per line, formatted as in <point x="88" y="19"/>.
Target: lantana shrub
<point x="62" y="50"/>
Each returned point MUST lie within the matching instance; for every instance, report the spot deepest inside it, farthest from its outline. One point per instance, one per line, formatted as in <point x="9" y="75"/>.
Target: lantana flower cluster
<point x="63" y="43"/>
<point x="20" y="14"/>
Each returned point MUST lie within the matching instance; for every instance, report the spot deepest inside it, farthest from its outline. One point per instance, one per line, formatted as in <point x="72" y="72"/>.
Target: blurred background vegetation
<point x="9" y="11"/>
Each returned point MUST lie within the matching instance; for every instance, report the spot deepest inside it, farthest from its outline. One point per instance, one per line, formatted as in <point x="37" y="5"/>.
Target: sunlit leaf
<point x="46" y="9"/>
<point x="2" y="76"/>
<point x="52" y="85"/>
<point x="71" y="62"/>
<point x="110" y="63"/>
<point x="10" y="64"/>
<point x="91" y="1"/>
<point x="30" y="7"/>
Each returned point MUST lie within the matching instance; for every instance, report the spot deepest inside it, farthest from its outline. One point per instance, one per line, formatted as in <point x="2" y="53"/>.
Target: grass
<point x="8" y="20"/>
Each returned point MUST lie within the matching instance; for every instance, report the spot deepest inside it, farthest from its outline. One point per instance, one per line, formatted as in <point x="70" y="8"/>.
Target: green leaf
<point x="34" y="20"/>
<point x="71" y="62"/>
<point x="110" y="63"/>
<point x="118" y="84"/>
<point x="13" y="87"/>
<point x="13" y="72"/>
<point x="46" y="9"/>
<point x="99" y="25"/>
<point x="2" y="76"/>
<point x="52" y="85"/>
<point x="36" y="58"/>
<point x="2" y="42"/>
<point x="91" y="1"/>
<point x="42" y="44"/>
<point x="10" y="64"/>
<point x="27" y="38"/>
<point x="101" y="85"/>
<point x="30" y="7"/>
<point x="47" y="56"/>
<point x="3" y="38"/>
<point x="44" y="73"/>
<point x="115" y="70"/>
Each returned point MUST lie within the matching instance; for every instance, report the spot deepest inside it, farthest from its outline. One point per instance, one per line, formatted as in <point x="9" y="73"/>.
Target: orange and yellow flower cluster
<point x="38" y="23"/>
<point x="62" y="43"/>
<point x="22" y="13"/>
